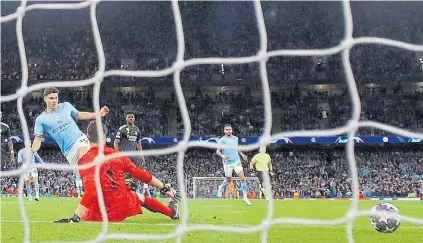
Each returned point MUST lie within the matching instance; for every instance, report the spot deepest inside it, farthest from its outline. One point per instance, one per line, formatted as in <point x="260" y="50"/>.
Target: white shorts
<point x="32" y="173"/>
<point x="229" y="169"/>
<point x="73" y="156"/>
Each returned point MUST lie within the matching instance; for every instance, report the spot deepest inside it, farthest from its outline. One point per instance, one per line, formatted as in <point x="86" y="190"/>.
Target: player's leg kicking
<point x="78" y="150"/>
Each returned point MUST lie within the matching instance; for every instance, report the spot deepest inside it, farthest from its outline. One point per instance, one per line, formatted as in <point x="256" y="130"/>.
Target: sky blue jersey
<point x="232" y="153"/>
<point x="60" y="125"/>
<point x="36" y="159"/>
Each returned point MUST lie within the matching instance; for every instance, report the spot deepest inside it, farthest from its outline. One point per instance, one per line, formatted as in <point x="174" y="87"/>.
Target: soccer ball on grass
<point x="385" y="218"/>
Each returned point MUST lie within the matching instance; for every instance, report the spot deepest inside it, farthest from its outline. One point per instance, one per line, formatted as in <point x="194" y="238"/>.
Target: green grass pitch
<point x="213" y="211"/>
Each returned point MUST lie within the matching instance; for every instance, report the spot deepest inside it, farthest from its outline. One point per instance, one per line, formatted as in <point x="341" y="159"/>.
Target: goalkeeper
<point x="263" y="164"/>
<point x="120" y="201"/>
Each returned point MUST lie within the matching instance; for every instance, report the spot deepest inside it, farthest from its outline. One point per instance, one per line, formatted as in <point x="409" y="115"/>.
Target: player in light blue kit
<point x="31" y="176"/>
<point x="58" y="121"/>
<point x="232" y="162"/>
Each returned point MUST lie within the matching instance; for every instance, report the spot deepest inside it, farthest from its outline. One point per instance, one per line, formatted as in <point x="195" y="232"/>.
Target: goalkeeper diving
<point x="263" y="164"/>
<point x="120" y="201"/>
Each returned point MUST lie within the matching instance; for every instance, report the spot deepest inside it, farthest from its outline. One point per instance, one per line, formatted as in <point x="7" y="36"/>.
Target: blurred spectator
<point x="394" y="172"/>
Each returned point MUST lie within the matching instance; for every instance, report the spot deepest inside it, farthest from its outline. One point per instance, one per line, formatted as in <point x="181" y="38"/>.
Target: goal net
<point x="261" y="58"/>
<point x="206" y="187"/>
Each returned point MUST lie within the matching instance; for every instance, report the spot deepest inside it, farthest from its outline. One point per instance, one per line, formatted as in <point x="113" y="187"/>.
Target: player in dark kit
<point x="5" y="139"/>
<point x="128" y="139"/>
<point x="119" y="200"/>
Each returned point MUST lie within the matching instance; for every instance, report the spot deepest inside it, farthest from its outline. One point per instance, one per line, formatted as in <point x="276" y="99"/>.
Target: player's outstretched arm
<point x="36" y="144"/>
<point x="11" y="151"/>
<point x="116" y="143"/>
<point x="83" y="115"/>
<point x="9" y="142"/>
<point x="244" y="157"/>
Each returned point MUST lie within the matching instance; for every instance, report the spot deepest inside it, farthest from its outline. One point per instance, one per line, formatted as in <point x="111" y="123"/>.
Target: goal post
<point x="206" y="187"/>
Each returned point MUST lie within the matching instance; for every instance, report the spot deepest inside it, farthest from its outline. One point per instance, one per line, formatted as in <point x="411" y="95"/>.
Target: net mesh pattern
<point x="261" y="57"/>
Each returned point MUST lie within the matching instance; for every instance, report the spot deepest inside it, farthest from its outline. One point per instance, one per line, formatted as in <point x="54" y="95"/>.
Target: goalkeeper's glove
<point x="168" y="190"/>
<point x="74" y="219"/>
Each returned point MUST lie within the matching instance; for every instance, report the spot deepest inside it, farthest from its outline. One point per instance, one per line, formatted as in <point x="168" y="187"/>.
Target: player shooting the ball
<point x="120" y="201"/>
<point x="58" y="120"/>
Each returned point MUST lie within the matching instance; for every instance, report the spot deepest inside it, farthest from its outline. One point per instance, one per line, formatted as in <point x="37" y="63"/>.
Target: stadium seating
<point x="309" y="172"/>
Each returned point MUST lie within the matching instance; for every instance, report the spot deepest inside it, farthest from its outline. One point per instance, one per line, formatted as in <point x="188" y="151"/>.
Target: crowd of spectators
<point x="70" y="54"/>
<point x="322" y="110"/>
<point x="310" y="172"/>
<point x="150" y="112"/>
<point x="209" y="111"/>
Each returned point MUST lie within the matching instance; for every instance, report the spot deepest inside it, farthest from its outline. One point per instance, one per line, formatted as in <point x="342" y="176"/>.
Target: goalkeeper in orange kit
<point x="120" y="201"/>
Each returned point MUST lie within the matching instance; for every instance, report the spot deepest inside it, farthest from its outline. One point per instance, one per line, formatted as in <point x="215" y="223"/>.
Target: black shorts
<point x="261" y="174"/>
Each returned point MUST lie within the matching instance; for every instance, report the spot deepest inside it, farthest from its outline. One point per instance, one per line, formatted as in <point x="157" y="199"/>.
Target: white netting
<point x="261" y="57"/>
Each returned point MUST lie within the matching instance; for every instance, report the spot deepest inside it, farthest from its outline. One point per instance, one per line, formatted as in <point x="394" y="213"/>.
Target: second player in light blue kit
<point x="232" y="162"/>
<point x="58" y="122"/>
<point x="31" y="176"/>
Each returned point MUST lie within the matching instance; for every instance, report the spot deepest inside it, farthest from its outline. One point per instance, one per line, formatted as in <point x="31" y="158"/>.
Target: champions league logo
<point x="148" y="139"/>
<point x="343" y="140"/>
<point x="415" y="140"/>
<point x="213" y="139"/>
<point x="285" y="139"/>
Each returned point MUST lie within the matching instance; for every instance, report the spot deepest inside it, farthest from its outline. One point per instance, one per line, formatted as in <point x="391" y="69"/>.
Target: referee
<point x="263" y="164"/>
<point x="5" y="139"/>
<point x="128" y="138"/>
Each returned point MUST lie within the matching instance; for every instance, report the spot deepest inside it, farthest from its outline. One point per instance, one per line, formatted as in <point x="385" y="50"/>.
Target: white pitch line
<point x="175" y="224"/>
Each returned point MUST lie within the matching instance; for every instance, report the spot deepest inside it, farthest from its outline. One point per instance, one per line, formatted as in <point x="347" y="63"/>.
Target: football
<point x="385" y="218"/>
